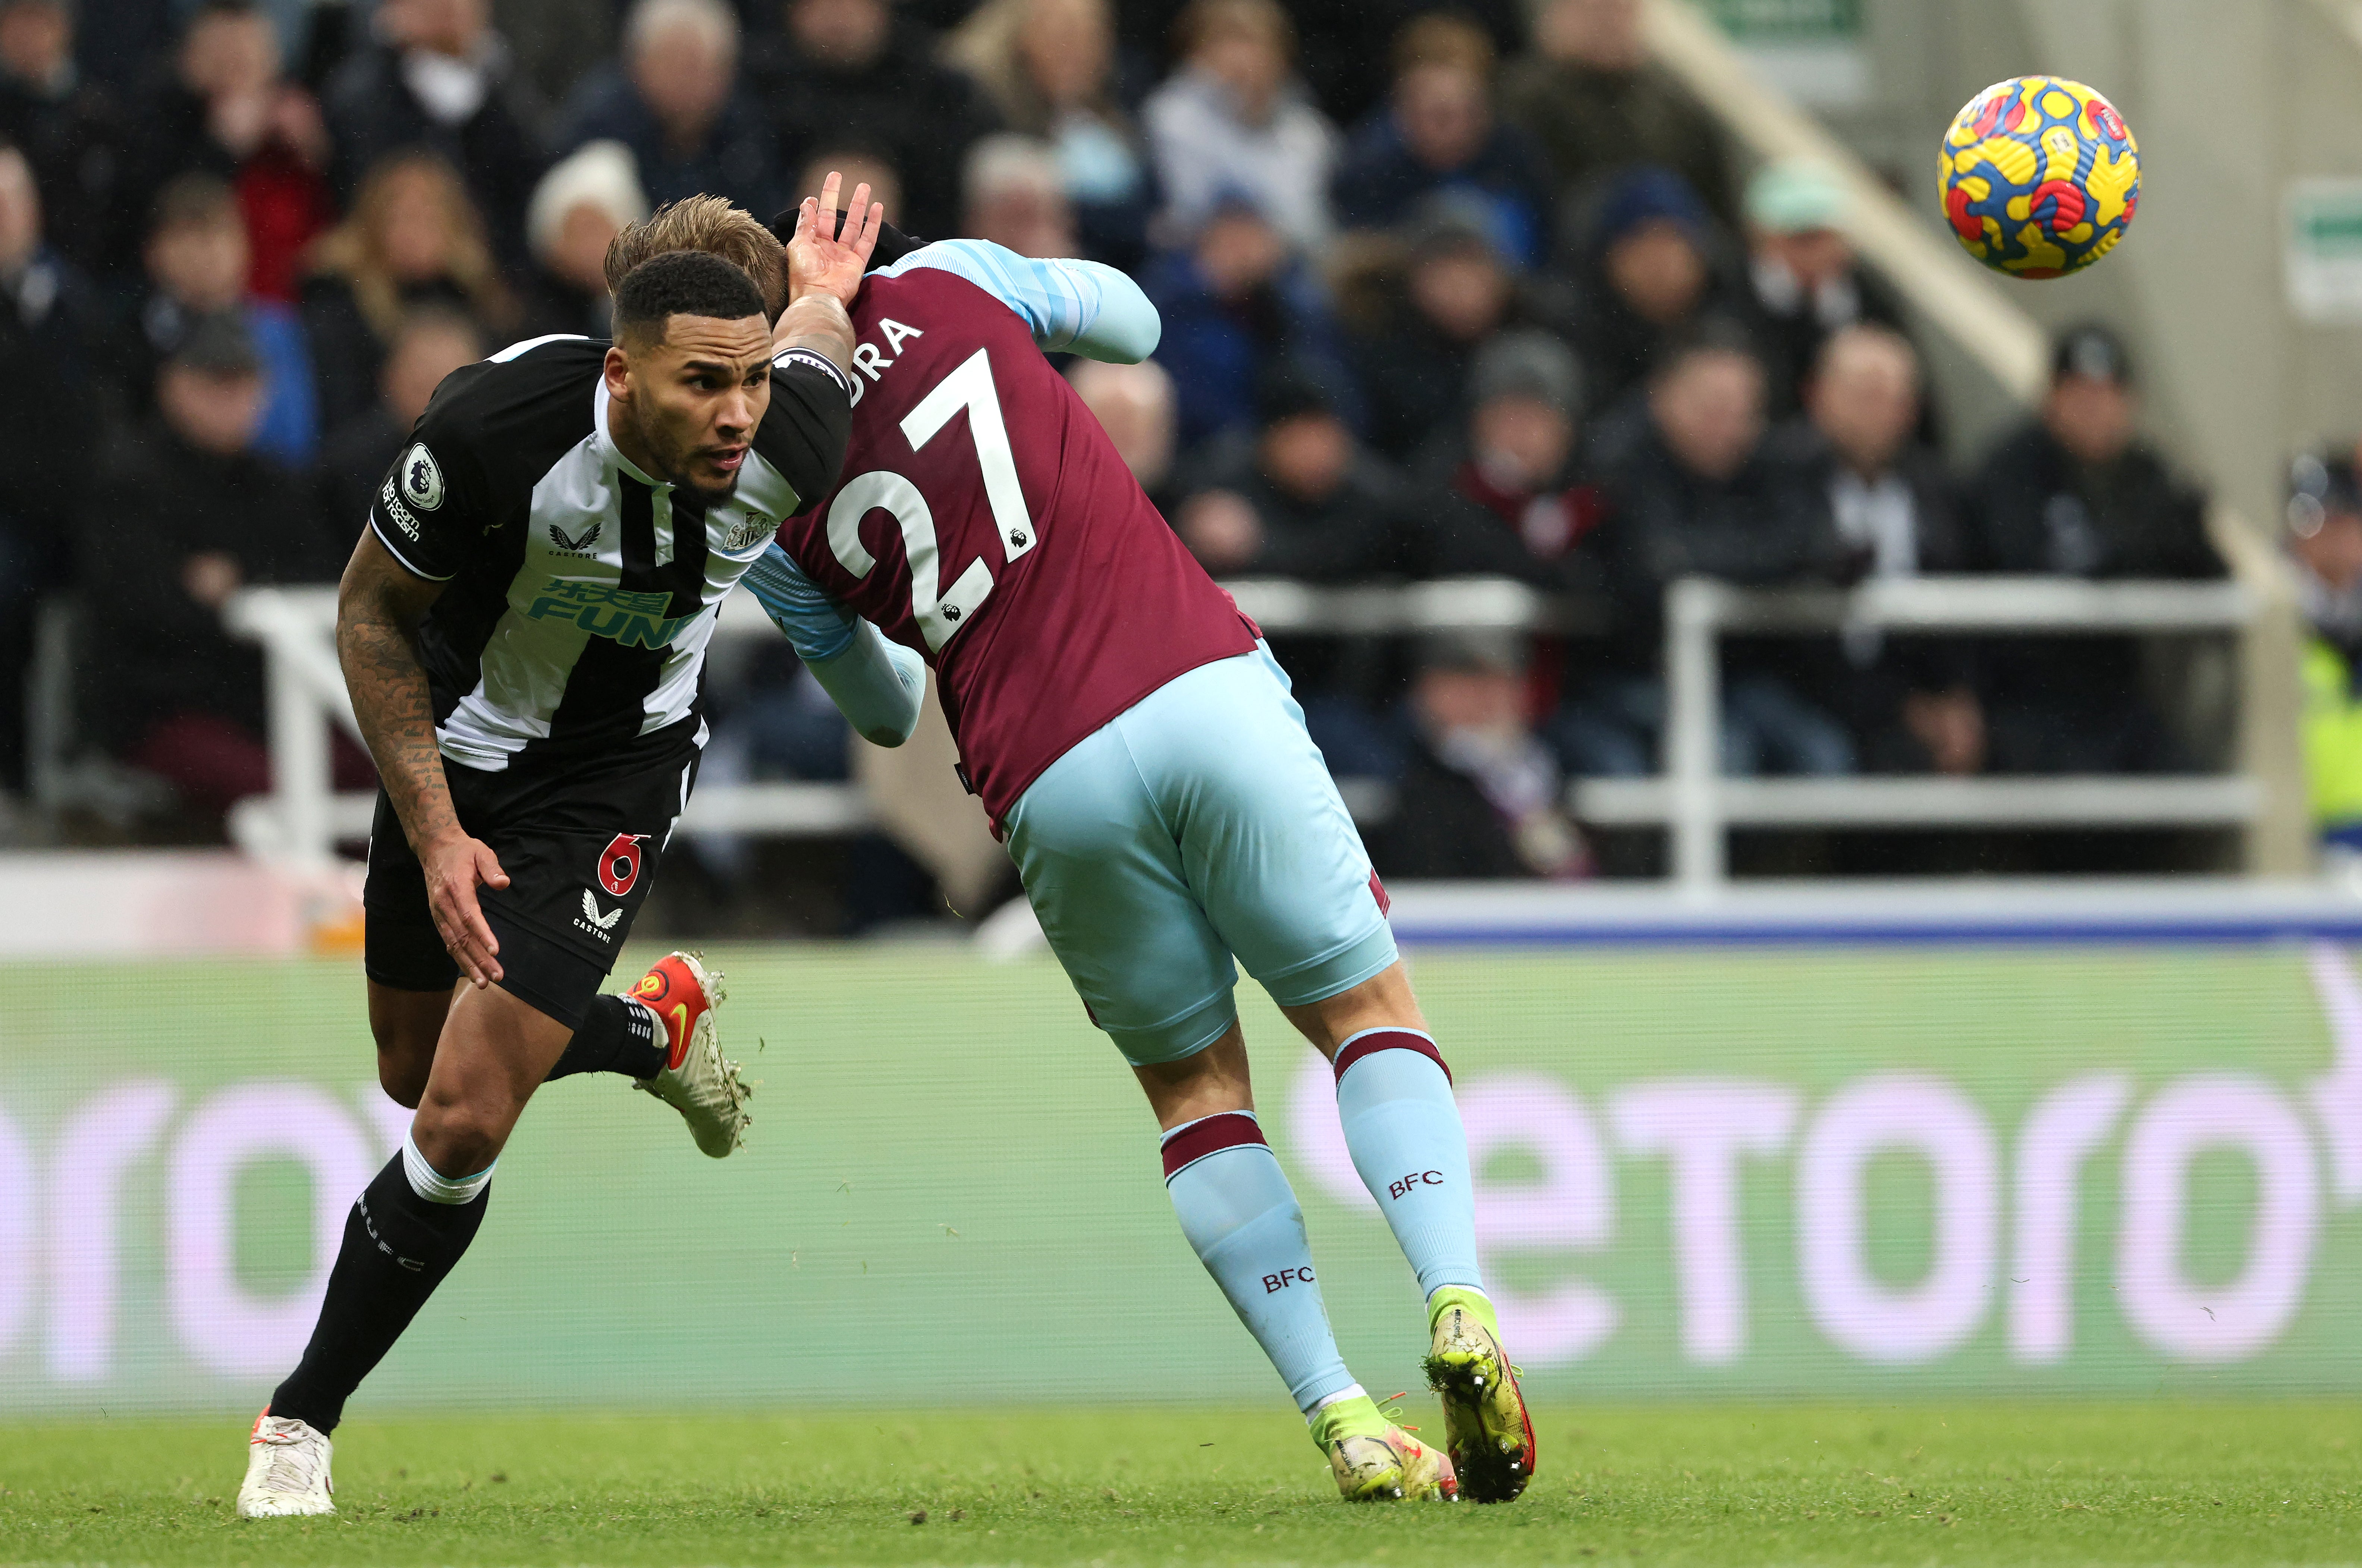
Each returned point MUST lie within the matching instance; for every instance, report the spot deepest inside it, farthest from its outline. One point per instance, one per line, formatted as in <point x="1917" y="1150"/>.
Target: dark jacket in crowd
<point x="1788" y="340"/>
<point x="167" y="134"/>
<point x="2075" y="703"/>
<point x="77" y="143"/>
<point x="1864" y="679"/>
<point x="1216" y="349"/>
<point x="1380" y="184"/>
<point x="553" y="304"/>
<point x="1337" y="539"/>
<point x="1342" y="537"/>
<point x="352" y="464"/>
<point x="63" y="314"/>
<point x="1593" y="124"/>
<point x="45" y="418"/>
<point x="347" y="355"/>
<point x="738" y="157"/>
<point x="1463" y="524"/>
<point x="2037" y="510"/>
<point x="1440" y="530"/>
<point x="47" y="411"/>
<point x="1619" y="347"/>
<point x="1415" y="381"/>
<point x="1442" y="828"/>
<point x="1944" y="543"/>
<point x="150" y="649"/>
<point x="372" y="113"/>
<point x="922" y="115"/>
<point x="1664" y="522"/>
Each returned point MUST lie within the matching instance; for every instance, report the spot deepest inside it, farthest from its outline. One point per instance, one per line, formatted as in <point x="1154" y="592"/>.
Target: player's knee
<point x="406" y="1026"/>
<point x="457" y="1140"/>
<point x="405" y="1055"/>
<point x="402" y="1075"/>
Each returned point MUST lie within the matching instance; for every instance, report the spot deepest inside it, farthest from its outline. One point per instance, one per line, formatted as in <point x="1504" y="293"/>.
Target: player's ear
<point x="617" y="369"/>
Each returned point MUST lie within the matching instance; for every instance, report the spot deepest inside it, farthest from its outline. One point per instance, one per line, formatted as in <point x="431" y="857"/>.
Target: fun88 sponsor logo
<point x="634" y="617"/>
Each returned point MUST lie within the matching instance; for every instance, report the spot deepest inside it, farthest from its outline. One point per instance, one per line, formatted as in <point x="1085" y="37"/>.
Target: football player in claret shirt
<point x="1138" y="749"/>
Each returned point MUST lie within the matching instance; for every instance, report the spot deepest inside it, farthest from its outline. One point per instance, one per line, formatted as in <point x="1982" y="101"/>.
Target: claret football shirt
<point x="984" y="518"/>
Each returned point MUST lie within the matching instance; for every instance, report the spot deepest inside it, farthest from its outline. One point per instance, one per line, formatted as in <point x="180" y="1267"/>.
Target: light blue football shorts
<point x="1199" y="823"/>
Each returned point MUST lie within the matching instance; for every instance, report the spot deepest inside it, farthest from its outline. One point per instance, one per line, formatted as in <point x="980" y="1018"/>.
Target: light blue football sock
<point x="1394" y="1099"/>
<point x="1242" y="1216"/>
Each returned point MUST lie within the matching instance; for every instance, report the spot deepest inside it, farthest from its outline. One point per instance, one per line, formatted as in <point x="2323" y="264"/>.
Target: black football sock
<point x="618" y="1035"/>
<point x="398" y="1246"/>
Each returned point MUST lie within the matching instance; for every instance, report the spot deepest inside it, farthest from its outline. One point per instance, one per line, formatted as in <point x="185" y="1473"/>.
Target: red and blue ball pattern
<point x="2040" y="177"/>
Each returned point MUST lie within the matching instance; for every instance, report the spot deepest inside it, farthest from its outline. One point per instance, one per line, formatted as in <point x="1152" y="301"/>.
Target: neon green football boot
<point x="1376" y="1461"/>
<point x="1487" y="1427"/>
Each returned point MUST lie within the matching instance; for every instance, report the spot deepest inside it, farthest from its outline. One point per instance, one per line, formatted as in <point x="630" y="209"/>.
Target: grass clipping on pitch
<point x="1998" y="1483"/>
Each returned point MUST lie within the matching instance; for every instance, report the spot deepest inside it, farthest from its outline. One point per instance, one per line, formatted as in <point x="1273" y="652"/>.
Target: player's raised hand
<point x="820" y="259"/>
<point x="455" y="863"/>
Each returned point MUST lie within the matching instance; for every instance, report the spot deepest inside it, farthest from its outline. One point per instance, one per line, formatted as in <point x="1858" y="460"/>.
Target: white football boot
<point x="697" y="1080"/>
<point x="286" y="1470"/>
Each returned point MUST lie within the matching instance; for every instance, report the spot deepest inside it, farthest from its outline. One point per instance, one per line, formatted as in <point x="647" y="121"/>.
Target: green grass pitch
<point x="1993" y="1482"/>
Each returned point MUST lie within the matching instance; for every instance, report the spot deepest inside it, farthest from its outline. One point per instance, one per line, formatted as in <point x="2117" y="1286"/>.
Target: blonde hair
<point x="712" y="225"/>
<point x="986" y="46"/>
<point x="1204" y="20"/>
<point x="353" y="251"/>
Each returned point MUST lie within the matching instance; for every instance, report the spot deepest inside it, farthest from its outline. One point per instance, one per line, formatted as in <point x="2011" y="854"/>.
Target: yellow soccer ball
<point x="2040" y="177"/>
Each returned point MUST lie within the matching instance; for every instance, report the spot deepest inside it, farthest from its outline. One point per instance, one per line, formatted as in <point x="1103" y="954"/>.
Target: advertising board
<point x="1711" y="1171"/>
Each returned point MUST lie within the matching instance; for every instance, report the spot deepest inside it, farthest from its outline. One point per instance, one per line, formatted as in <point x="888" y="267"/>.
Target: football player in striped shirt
<point x="523" y="627"/>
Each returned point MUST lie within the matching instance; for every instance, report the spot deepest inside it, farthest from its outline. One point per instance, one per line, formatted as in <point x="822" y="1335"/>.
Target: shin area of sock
<point x="1402" y="1127"/>
<point x="1241" y="1218"/>
<point x="399" y="1244"/>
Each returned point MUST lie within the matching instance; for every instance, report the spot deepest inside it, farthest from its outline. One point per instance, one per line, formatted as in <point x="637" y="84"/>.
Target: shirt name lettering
<point x="873" y="362"/>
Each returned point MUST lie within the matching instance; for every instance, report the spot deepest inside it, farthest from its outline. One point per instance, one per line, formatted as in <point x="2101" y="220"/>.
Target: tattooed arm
<point x="379" y="607"/>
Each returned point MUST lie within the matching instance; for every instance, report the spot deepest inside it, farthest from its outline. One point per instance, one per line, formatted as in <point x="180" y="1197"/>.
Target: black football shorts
<point x="580" y="840"/>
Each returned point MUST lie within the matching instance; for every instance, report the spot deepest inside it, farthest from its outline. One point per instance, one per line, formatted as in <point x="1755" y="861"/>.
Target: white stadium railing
<point x="1698" y="804"/>
<point x="1986" y="325"/>
<point x="303" y="817"/>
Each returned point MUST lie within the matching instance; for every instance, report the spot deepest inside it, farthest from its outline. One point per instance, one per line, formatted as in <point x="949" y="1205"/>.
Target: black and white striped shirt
<point x="582" y="592"/>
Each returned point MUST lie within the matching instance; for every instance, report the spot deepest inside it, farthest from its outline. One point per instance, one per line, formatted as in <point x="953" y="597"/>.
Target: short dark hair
<point x="194" y="200"/>
<point x="2093" y="350"/>
<point x="1710" y="334"/>
<point x="682" y="283"/>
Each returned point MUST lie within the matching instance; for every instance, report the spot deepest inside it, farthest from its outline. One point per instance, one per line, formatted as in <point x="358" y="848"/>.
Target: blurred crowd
<point x="1475" y="289"/>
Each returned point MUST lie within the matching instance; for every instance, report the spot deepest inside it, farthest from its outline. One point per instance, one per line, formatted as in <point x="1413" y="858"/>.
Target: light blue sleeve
<point x="817" y="625"/>
<point x="878" y="684"/>
<point x="1072" y="307"/>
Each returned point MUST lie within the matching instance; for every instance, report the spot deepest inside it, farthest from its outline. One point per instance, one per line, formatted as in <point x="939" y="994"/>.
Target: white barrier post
<point x="1693" y="734"/>
<point x="301" y="774"/>
<point x="303" y="781"/>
